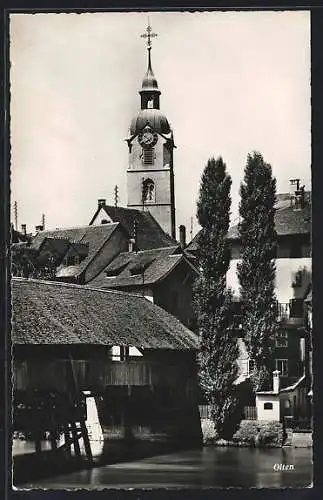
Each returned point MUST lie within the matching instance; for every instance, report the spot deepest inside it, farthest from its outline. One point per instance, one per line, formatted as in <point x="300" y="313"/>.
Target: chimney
<point x="24" y="229"/>
<point x="276" y="381"/>
<point x="38" y="228"/>
<point x="133" y="239"/>
<point x="101" y="202"/>
<point x="297" y="196"/>
<point x="182" y="236"/>
<point x="300" y="198"/>
<point x="132" y="243"/>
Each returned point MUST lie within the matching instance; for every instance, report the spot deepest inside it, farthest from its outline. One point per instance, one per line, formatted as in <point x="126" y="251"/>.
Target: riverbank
<point x="255" y="434"/>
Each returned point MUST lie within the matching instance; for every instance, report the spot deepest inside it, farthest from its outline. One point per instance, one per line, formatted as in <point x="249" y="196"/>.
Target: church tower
<point x="150" y="174"/>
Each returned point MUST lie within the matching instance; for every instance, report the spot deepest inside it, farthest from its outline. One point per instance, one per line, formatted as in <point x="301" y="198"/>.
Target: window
<point x="148" y="191"/>
<point x="69" y="260"/>
<point x="148" y="156"/>
<point x="282" y="367"/>
<point x="281" y="339"/>
<point x="268" y="406"/>
<point x="124" y="353"/>
<point x="73" y="260"/>
<point x="119" y="353"/>
<point x="297" y="281"/>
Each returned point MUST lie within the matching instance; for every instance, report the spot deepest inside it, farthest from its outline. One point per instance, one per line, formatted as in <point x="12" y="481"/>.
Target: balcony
<point x="291" y="313"/>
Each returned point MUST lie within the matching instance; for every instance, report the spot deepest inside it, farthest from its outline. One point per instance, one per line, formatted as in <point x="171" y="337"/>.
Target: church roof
<point x="60" y="313"/>
<point x="154" y="117"/>
<point x="149" y="82"/>
<point x="288" y="221"/>
<point x="94" y="236"/>
<point x="127" y="268"/>
<point x="149" y="233"/>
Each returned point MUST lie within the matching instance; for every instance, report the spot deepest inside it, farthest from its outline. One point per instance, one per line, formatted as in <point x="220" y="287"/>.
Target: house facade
<point x="293" y="279"/>
<point x="163" y="275"/>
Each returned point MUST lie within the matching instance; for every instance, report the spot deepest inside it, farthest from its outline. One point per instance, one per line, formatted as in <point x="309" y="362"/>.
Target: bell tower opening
<point x="148" y="191"/>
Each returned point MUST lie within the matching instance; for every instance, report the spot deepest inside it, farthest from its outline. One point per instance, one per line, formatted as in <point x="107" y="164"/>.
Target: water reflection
<point x="25" y="447"/>
<point x="207" y="468"/>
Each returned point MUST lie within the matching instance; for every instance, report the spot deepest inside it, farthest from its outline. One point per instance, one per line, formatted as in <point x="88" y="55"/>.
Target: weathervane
<point x="148" y="35"/>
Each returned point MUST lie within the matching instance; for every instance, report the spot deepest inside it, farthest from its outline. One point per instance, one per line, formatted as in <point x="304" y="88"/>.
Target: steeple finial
<point x="149" y="90"/>
<point x="149" y="35"/>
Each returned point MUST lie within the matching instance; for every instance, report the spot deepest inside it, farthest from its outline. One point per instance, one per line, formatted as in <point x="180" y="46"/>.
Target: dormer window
<point x="73" y="260"/>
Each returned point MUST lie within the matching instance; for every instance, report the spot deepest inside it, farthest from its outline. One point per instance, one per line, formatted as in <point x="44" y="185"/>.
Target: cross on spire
<point x="149" y="35"/>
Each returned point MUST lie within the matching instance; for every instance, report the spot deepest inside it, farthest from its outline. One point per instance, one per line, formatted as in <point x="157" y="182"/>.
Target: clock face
<point x="148" y="139"/>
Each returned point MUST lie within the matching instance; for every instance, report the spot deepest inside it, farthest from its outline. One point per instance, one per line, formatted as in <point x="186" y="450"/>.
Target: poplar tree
<point x="256" y="270"/>
<point x="218" y="350"/>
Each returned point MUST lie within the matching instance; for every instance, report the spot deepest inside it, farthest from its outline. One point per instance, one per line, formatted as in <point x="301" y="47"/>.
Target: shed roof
<point x="59" y="313"/>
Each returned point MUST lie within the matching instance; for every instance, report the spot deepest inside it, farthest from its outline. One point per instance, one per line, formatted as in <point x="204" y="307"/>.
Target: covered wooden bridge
<point x="138" y="362"/>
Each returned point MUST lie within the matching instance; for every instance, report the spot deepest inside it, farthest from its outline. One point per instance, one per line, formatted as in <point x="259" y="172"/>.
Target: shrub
<point x="270" y="434"/>
<point x="247" y="433"/>
<point x="254" y="433"/>
<point x="208" y="431"/>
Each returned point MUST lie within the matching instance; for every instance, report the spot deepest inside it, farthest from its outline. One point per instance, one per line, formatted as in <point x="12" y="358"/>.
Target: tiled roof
<point x="192" y="246"/>
<point x="61" y="313"/>
<point x="59" y="245"/>
<point x="126" y="268"/>
<point x="288" y="221"/>
<point x="149" y="233"/>
<point x="94" y="236"/>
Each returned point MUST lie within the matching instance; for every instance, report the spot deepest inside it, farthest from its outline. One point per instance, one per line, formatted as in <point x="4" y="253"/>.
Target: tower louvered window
<point x="148" y="156"/>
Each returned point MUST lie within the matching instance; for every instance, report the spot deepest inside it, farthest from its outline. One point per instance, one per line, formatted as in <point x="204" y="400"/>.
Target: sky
<point x="231" y="83"/>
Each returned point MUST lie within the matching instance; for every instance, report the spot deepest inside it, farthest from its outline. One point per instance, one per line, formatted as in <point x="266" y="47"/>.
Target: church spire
<point x="149" y="90"/>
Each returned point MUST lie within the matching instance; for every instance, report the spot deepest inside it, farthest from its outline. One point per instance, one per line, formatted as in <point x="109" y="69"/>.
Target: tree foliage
<point x="218" y="351"/>
<point x="27" y="262"/>
<point x="256" y="271"/>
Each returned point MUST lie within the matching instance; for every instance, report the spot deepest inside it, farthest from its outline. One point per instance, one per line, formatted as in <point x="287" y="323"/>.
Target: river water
<point x="211" y="467"/>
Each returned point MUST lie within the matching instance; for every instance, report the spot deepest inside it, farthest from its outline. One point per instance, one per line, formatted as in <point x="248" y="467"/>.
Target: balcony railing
<point x="294" y="309"/>
<point x="290" y="310"/>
